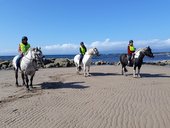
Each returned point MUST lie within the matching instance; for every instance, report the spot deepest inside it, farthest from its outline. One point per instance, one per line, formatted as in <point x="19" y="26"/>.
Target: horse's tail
<point x="118" y="63"/>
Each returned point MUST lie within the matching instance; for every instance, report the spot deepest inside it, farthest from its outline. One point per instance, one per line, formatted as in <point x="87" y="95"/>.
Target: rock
<point x="51" y="65"/>
<point x="48" y="61"/>
<point x="62" y="62"/>
<point x="4" y="66"/>
<point x="10" y="65"/>
<point x="100" y="63"/>
<point x="71" y="63"/>
<point x="4" y="63"/>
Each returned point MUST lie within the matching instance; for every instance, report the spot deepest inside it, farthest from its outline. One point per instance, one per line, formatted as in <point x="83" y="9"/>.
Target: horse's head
<point x="148" y="52"/>
<point x="95" y="51"/>
<point x="37" y="55"/>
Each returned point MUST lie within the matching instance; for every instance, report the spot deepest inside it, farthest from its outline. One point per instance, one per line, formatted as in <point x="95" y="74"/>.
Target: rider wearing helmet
<point x="23" y="48"/>
<point x="131" y="50"/>
<point x="82" y="51"/>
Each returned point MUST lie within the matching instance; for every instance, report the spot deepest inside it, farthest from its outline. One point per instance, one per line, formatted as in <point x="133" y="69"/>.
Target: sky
<point x="58" y="26"/>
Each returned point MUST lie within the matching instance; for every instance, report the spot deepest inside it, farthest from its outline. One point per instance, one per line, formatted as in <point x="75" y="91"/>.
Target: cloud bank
<point x="108" y="46"/>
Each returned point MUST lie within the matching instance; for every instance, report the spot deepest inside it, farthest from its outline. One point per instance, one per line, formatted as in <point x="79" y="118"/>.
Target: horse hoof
<point x="139" y="76"/>
<point x="89" y="75"/>
<point x="135" y="76"/>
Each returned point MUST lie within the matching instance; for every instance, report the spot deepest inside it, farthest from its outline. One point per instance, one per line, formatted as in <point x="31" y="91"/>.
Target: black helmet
<point x="81" y="43"/>
<point x="130" y="41"/>
<point x="24" y="38"/>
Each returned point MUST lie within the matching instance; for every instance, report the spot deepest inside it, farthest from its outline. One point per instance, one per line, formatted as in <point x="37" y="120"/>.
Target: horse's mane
<point x="89" y="51"/>
<point x="139" y="50"/>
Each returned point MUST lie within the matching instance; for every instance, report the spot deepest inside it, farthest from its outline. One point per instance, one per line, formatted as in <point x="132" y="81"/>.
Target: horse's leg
<point x="89" y="70"/>
<point x="31" y="79"/>
<point x="16" y="76"/>
<point x="27" y="80"/>
<point x="84" y="66"/>
<point x="134" y="71"/>
<point x="139" y="72"/>
<point x="23" y="78"/>
<point x="122" y="70"/>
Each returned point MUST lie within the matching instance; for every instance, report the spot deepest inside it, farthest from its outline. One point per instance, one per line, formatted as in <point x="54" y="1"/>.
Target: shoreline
<point x="65" y="62"/>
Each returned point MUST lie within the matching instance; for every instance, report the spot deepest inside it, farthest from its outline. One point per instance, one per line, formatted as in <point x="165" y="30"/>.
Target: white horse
<point x="28" y="65"/>
<point x="86" y="62"/>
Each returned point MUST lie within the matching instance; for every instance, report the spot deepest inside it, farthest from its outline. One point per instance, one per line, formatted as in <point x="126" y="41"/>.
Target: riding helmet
<point x="24" y="38"/>
<point x="130" y="41"/>
<point x="81" y="43"/>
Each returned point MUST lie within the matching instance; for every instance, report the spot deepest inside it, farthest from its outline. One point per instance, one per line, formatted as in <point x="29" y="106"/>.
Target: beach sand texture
<point x="63" y="99"/>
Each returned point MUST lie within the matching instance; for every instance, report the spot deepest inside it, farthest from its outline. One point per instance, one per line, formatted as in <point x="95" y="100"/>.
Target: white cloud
<point x="65" y="48"/>
<point x="108" y="46"/>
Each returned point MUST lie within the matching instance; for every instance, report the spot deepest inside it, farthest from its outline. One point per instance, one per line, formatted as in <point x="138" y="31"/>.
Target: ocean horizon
<point x="159" y="56"/>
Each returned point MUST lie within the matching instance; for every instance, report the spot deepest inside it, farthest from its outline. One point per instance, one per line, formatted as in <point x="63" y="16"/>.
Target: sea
<point x="105" y="57"/>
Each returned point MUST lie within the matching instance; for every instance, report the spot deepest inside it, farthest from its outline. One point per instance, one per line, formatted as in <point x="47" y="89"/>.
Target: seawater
<point x="105" y="57"/>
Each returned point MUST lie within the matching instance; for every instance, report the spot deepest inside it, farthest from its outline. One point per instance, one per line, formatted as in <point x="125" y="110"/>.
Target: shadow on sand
<point x="154" y="75"/>
<point x="103" y="74"/>
<point x="58" y="85"/>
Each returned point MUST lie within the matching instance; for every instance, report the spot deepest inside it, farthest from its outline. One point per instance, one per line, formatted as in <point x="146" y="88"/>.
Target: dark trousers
<point x="18" y="60"/>
<point x="129" y="57"/>
<point x="81" y="58"/>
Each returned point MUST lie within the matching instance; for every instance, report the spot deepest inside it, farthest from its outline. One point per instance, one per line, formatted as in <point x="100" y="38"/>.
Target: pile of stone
<point x="65" y="62"/>
<point x="159" y="63"/>
<point x="7" y="65"/>
<point x="55" y="63"/>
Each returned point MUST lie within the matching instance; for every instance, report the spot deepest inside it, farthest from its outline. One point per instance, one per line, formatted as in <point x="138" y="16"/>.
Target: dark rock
<point x="62" y="62"/>
<point x="48" y="61"/>
<point x="51" y="65"/>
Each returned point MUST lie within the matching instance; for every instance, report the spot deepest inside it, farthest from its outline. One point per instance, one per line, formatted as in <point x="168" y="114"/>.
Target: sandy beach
<point x="63" y="99"/>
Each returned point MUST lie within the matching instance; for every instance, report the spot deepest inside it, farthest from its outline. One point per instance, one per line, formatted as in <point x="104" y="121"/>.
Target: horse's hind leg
<point x="84" y="70"/>
<point x="27" y="80"/>
<point x="122" y="70"/>
<point x="88" y="71"/>
<point x="16" y="76"/>
<point x="23" y="78"/>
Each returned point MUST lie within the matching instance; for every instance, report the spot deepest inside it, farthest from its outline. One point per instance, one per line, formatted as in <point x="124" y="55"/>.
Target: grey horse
<point x="28" y="65"/>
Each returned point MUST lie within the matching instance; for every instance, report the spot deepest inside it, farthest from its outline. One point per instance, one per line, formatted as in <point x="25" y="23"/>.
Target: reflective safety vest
<point x="83" y="50"/>
<point x="132" y="48"/>
<point x="24" y="48"/>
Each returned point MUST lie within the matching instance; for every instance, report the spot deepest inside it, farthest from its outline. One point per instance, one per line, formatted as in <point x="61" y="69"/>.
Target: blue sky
<point x="58" y="26"/>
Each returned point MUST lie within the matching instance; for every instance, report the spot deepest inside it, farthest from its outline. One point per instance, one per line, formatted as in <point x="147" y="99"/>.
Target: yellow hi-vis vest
<point x="132" y="48"/>
<point x="24" y="48"/>
<point x="83" y="50"/>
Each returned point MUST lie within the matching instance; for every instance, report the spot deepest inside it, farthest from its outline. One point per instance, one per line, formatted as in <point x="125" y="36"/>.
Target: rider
<point x="23" y="48"/>
<point x="82" y="51"/>
<point x="131" y="50"/>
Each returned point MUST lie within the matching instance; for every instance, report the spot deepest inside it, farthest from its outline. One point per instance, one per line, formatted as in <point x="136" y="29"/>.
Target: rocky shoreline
<point x="65" y="62"/>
